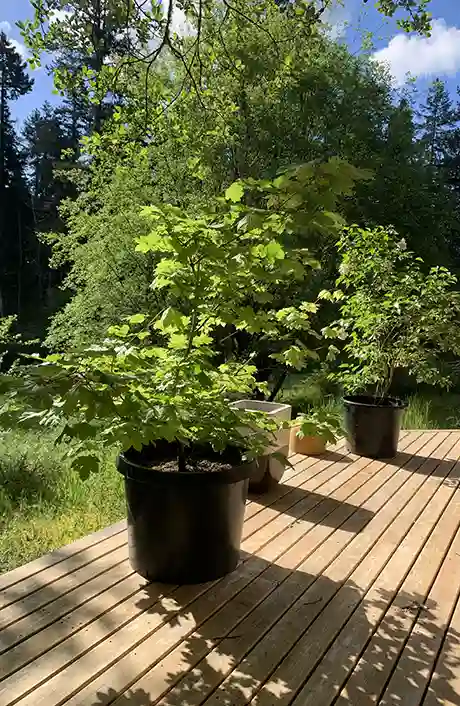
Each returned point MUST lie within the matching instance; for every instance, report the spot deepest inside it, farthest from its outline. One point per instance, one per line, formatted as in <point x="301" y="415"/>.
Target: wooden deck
<point x="347" y="594"/>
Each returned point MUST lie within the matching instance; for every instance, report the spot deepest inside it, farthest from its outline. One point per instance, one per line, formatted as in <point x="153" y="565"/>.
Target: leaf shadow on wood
<point x="322" y="509"/>
<point x="244" y="622"/>
<point x="241" y="665"/>
<point x="229" y="663"/>
<point x="222" y="643"/>
<point x="428" y="466"/>
<point x="427" y="650"/>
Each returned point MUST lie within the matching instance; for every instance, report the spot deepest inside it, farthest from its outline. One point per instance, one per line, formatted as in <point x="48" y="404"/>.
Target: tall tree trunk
<point x="2" y="176"/>
<point x="98" y="58"/>
<point x="20" y="262"/>
<point x="2" y="126"/>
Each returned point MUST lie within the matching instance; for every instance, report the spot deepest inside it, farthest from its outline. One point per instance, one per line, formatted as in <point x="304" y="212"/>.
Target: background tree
<point x="438" y="138"/>
<point x="84" y="36"/>
<point x="438" y="118"/>
<point x="150" y="28"/>
<point x="452" y="157"/>
<point x="14" y="211"/>
<point x="273" y="92"/>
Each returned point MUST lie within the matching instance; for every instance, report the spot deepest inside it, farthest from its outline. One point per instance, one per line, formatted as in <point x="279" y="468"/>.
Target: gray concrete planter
<point x="268" y="470"/>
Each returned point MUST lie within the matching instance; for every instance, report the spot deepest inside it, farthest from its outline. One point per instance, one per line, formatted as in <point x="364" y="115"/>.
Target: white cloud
<point x="179" y="24"/>
<point x="336" y="18"/>
<point x="412" y="54"/>
<point x="20" y="48"/>
<point x="5" y="27"/>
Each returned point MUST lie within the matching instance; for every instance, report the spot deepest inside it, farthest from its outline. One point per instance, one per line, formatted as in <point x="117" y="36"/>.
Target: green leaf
<point x="86" y="465"/>
<point x="164" y="271"/>
<point x="274" y="251"/>
<point x="311" y="307"/>
<point x="325" y="294"/>
<point x="119" y="331"/>
<point x="171" y="318"/>
<point x="137" y="319"/>
<point x="202" y="340"/>
<point x="80" y="430"/>
<point x="235" y="192"/>
<point x="295" y="357"/>
<point x="178" y="341"/>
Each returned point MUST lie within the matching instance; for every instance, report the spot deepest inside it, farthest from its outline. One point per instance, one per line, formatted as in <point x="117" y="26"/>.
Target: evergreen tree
<point x="452" y="153"/>
<point x="51" y="139"/>
<point x="438" y="119"/>
<point x="44" y="142"/>
<point x="75" y="122"/>
<point x="84" y="36"/>
<point x="14" y="212"/>
<point x="14" y="82"/>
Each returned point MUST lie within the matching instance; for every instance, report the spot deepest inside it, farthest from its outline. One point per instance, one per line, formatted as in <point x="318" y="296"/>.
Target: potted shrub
<point x="396" y="314"/>
<point x="157" y="389"/>
<point x="184" y="459"/>
<point x="310" y="432"/>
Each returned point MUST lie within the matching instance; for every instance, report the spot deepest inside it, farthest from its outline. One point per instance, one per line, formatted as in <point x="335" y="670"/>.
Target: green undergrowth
<point x="43" y="502"/>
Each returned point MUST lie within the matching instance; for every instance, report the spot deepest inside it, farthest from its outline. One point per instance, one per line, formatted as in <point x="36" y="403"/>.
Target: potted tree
<point x="184" y="460"/>
<point x="395" y="314"/>
<point x="157" y="389"/>
<point x="310" y="432"/>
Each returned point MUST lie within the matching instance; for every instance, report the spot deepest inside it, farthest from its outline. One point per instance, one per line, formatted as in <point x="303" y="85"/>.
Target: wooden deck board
<point x="347" y="594"/>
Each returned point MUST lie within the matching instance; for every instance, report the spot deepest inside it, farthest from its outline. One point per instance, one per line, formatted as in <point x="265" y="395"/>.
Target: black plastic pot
<point x="184" y="527"/>
<point x="373" y="426"/>
<point x="260" y="480"/>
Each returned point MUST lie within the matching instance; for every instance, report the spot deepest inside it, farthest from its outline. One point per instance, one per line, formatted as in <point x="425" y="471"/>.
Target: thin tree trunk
<point x="2" y="127"/>
<point x="278" y="385"/>
<point x="2" y="175"/>
<point x="20" y="262"/>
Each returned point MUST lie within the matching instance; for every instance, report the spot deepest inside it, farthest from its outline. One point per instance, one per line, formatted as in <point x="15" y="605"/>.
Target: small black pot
<point x="373" y="425"/>
<point x="260" y="480"/>
<point x="183" y="527"/>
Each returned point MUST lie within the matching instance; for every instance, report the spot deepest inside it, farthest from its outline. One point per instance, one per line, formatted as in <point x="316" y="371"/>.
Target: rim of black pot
<point x="370" y="401"/>
<point x="134" y="470"/>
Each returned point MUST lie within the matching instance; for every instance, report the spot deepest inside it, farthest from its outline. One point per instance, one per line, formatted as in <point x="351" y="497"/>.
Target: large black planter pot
<point x="373" y="427"/>
<point x="183" y="527"/>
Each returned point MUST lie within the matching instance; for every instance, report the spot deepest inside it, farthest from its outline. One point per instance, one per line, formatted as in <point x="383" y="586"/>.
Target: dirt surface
<point x="192" y="466"/>
<point x="164" y="457"/>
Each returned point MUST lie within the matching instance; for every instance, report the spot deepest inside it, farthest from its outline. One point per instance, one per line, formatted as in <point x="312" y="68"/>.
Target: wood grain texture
<point x="347" y="595"/>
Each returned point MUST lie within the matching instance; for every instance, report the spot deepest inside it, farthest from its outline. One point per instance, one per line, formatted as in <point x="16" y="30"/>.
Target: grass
<point x="43" y="502"/>
<point x="436" y="411"/>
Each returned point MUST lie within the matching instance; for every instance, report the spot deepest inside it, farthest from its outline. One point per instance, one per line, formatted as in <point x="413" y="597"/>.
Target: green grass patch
<point x="43" y="502"/>
<point x="435" y="411"/>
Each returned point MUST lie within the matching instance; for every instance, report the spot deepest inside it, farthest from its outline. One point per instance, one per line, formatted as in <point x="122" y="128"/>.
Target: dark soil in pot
<point x="184" y="526"/>
<point x="373" y="425"/>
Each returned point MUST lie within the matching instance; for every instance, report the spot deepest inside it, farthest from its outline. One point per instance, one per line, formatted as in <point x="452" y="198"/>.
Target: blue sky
<point x="10" y="12"/>
<point x="425" y="58"/>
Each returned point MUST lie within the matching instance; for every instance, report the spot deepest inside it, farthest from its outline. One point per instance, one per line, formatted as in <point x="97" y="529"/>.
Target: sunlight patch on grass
<point x="44" y="504"/>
